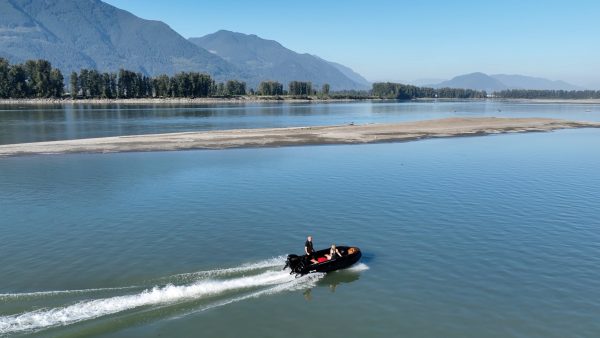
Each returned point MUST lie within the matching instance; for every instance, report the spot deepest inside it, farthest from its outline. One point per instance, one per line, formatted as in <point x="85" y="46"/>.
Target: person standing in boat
<point x="308" y="246"/>
<point x="309" y="250"/>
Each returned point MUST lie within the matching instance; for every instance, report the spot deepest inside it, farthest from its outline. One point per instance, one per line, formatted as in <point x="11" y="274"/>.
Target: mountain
<point x="477" y="81"/>
<point x="528" y="82"/>
<point x="269" y="60"/>
<point x="74" y="34"/>
<point x="592" y="85"/>
<point x="425" y="82"/>
<point x="351" y="74"/>
<point x="490" y="83"/>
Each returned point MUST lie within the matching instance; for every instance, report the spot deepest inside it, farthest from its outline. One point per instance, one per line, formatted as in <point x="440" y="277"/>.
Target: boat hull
<point x="301" y="265"/>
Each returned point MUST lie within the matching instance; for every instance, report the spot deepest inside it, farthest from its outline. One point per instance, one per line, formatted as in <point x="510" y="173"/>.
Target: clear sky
<point x="408" y="40"/>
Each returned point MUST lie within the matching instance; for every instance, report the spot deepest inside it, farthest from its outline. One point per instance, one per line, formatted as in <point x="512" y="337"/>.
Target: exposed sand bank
<point x="275" y="137"/>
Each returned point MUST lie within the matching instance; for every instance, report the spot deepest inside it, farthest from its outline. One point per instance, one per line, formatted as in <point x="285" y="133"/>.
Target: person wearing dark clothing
<point x="308" y="246"/>
<point x="309" y="250"/>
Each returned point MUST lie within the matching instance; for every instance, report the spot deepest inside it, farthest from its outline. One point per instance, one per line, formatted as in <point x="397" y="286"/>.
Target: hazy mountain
<point x="592" y="85"/>
<point x="490" y="83"/>
<point x="425" y="82"/>
<point x="351" y="74"/>
<point x="528" y="82"/>
<point x="269" y="60"/>
<point x="477" y="81"/>
<point x="90" y="33"/>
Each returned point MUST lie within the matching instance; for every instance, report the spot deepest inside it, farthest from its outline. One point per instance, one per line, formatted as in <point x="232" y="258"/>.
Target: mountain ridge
<point x="105" y="38"/>
<point x="270" y="60"/>
<point x="92" y="34"/>
<point x="518" y="81"/>
<point x="498" y="82"/>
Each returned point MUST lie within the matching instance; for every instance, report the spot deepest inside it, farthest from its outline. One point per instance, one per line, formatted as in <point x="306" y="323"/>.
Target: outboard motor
<point x="295" y="263"/>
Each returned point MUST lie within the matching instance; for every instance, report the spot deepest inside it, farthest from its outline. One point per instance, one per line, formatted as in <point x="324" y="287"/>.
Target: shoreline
<point x="523" y="101"/>
<point x="182" y="100"/>
<point x="269" y="99"/>
<point x="296" y="136"/>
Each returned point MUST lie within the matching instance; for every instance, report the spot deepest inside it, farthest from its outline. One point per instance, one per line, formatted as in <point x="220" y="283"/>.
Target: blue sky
<point x="408" y="40"/>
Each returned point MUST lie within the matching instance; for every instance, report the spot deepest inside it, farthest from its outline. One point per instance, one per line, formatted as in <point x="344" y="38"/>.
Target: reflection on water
<point x="31" y="123"/>
<point x="333" y="279"/>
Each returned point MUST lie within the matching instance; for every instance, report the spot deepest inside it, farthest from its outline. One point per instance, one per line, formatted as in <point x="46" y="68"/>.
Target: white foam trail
<point x="358" y="267"/>
<point x="60" y="292"/>
<point x="91" y="309"/>
<point x="264" y="264"/>
<point x="267" y="263"/>
<point x="301" y="282"/>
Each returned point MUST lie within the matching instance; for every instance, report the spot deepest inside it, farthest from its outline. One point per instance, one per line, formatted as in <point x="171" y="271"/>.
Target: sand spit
<point x="276" y="137"/>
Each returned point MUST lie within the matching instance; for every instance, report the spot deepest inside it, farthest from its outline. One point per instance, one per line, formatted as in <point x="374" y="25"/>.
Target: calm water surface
<point x="466" y="237"/>
<point x="44" y="123"/>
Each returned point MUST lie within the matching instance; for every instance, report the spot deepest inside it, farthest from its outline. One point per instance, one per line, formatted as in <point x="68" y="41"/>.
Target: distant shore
<point x="199" y="100"/>
<point x="511" y="100"/>
<point x="263" y="99"/>
<point x="277" y="137"/>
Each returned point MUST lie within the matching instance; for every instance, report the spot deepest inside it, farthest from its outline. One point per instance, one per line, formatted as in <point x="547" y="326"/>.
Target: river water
<point x="490" y="236"/>
<point x="30" y="123"/>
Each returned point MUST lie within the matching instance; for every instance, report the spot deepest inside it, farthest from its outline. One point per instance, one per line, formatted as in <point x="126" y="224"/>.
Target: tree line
<point x="548" y="94"/>
<point x="38" y="79"/>
<point x="89" y="83"/>
<point x="390" y="90"/>
<point x="127" y="84"/>
<point x="31" y="79"/>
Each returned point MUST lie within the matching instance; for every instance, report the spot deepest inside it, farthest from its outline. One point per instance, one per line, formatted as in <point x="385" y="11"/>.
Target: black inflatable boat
<point x="301" y="265"/>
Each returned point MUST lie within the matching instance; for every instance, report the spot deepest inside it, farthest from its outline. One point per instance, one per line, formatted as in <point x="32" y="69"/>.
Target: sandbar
<point x="294" y="136"/>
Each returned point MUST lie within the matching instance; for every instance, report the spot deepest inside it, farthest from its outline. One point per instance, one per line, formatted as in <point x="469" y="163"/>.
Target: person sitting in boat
<point x="333" y="253"/>
<point x="309" y="250"/>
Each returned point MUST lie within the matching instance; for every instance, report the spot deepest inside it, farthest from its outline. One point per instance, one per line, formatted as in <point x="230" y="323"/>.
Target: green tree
<point x="270" y="88"/>
<point x="83" y="82"/>
<point x="300" y="88"/>
<point x="234" y="88"/>
<point x="74" y="81"/>
<point x="106" y="88"/>
<point x="38" y="77"/>
<point x="17" y="80"/>
<point x="4" y="79"/>
<point x="161" y="86"/>
<point x="125" y="84"/>
<point x="57" y="85"/>
<point x="221" y="89"/>
<point x="325" y="89"/>
<point x="113" y="84"/>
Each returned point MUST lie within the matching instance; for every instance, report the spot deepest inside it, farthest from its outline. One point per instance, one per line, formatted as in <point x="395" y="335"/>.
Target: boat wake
<point x="249" y="267"/>
<point x="358" y="267"/>
<point x="222" y="286"/>
<point x="42" y="294"/>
